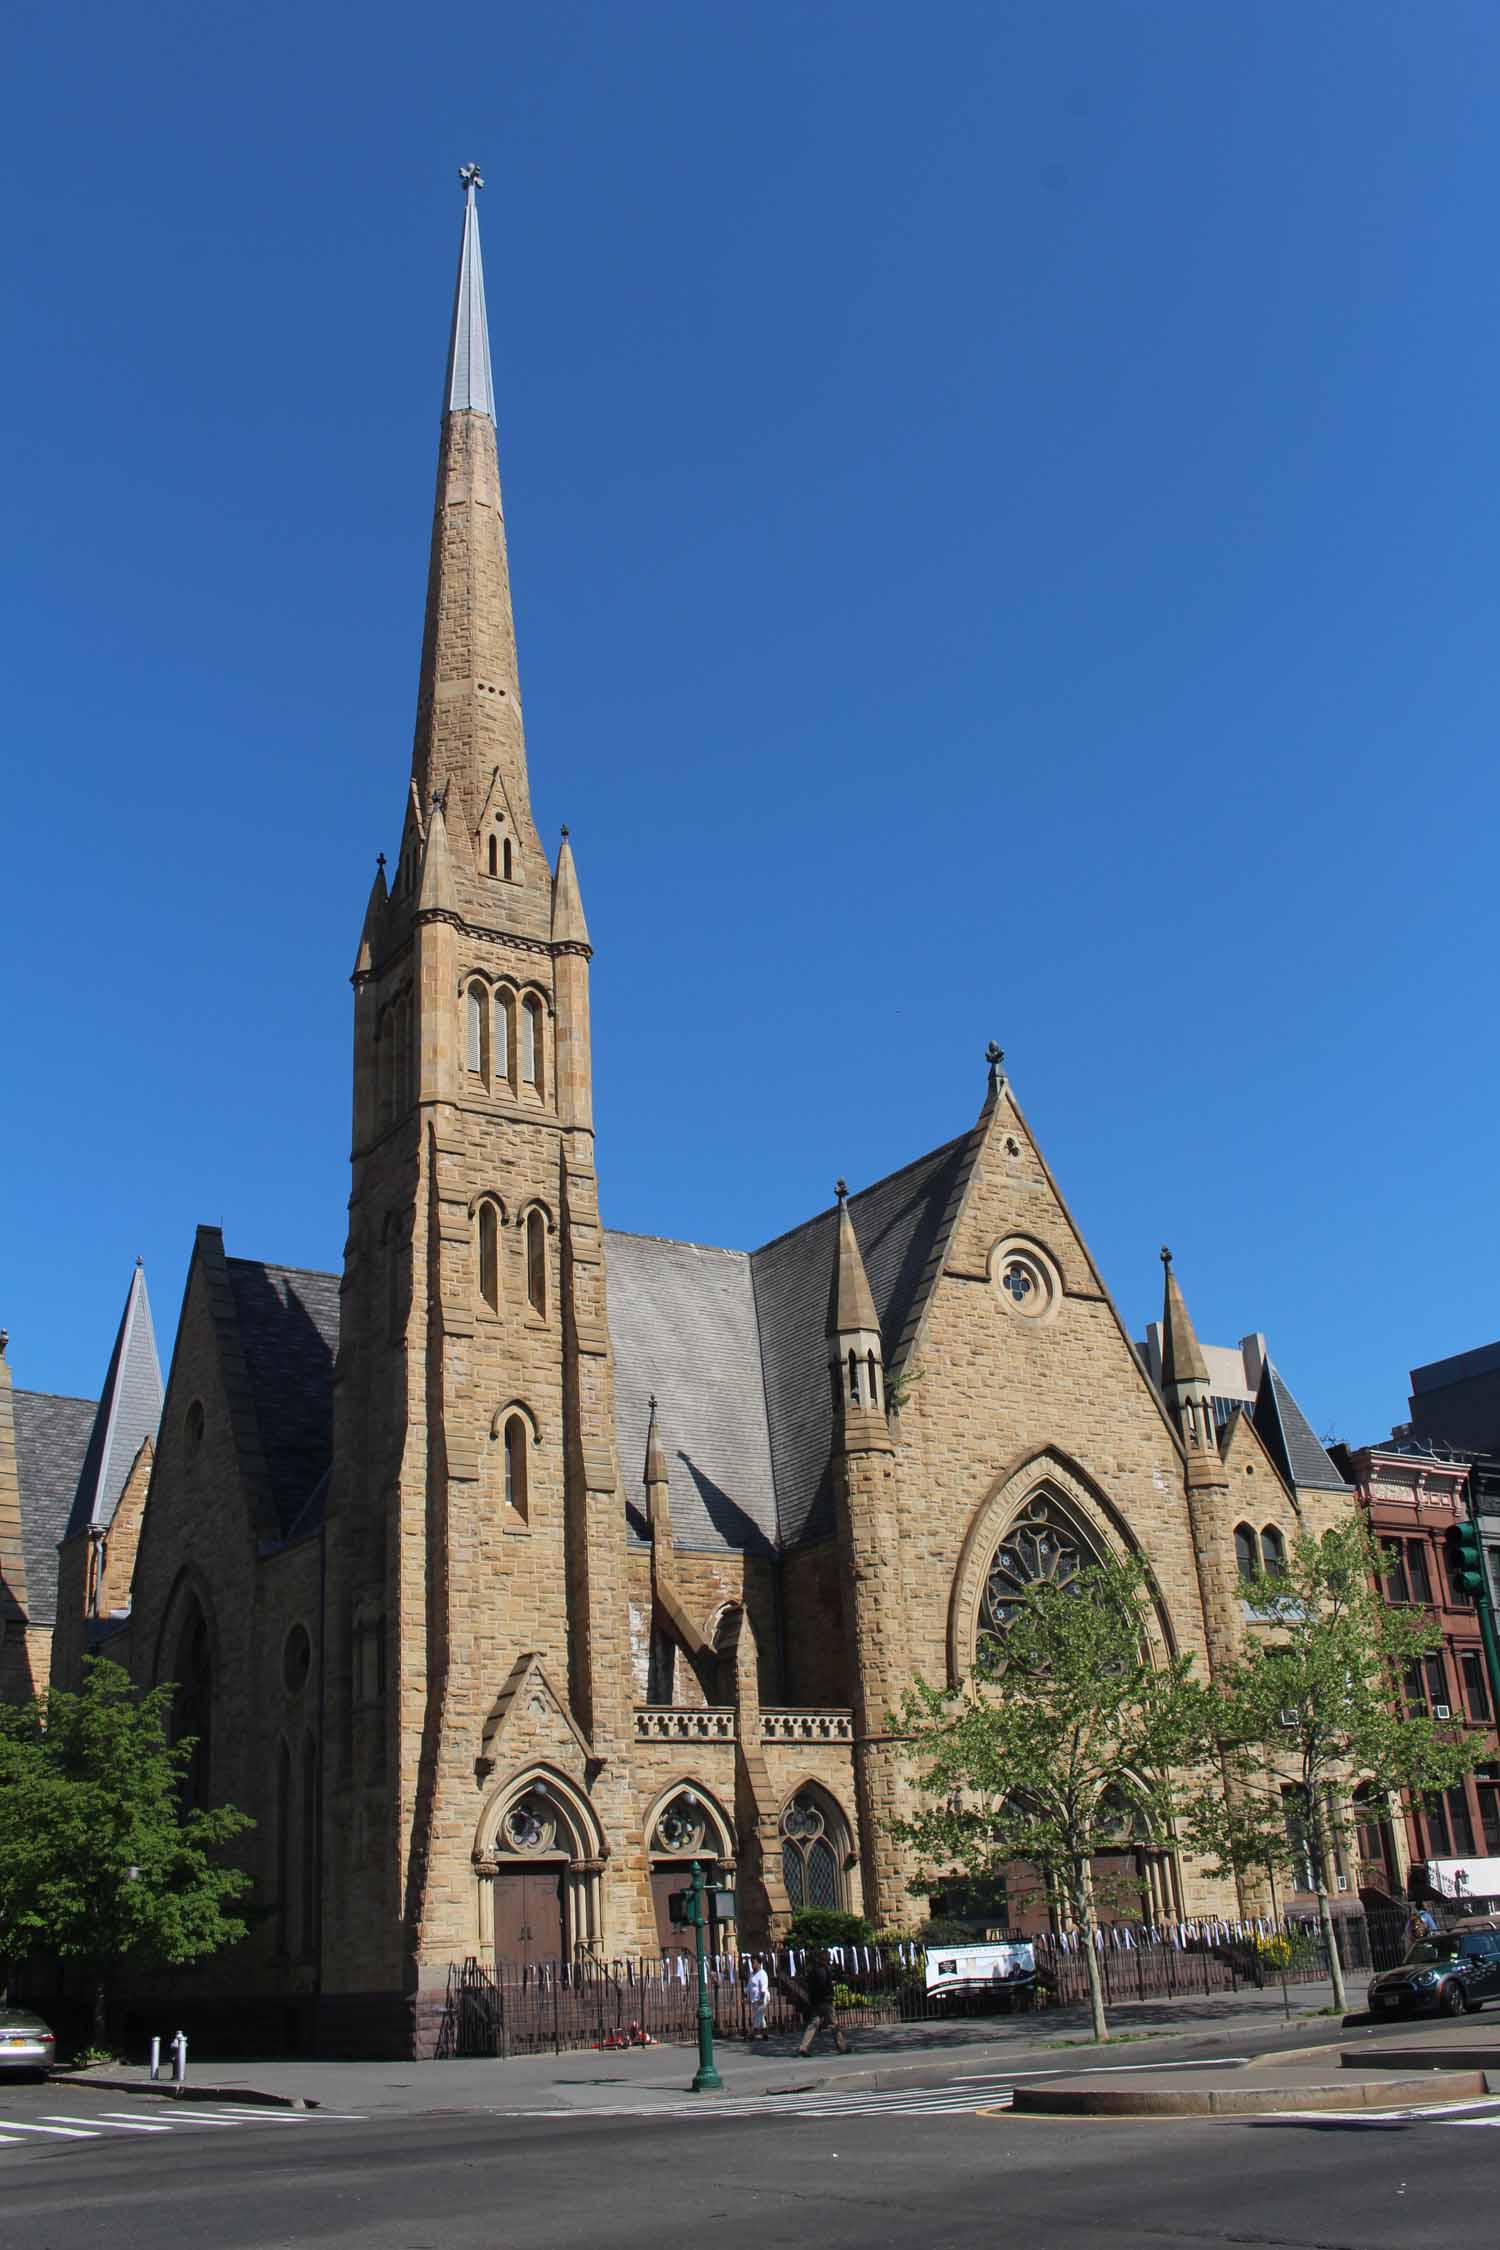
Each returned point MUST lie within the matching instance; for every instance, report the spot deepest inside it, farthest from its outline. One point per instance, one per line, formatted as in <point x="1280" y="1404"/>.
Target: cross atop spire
<point x="469" y="387"/>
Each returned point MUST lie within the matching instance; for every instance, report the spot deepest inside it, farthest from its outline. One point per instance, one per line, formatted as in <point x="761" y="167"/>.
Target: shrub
<point x="824" y="1925"/>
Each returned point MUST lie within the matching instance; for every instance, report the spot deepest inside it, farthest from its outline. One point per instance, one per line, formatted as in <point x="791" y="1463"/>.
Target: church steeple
<point x="470" y="745"/>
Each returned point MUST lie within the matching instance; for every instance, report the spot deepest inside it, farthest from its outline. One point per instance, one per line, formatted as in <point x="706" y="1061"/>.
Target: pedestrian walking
<point x="758" y="1994"/>
<point x="818" y="1985"/>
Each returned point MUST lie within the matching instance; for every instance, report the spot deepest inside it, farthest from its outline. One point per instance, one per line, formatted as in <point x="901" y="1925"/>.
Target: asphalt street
<point x="922" y="2166"/>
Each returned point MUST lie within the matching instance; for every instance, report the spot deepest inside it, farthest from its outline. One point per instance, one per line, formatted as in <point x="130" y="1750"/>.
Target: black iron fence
<point x="510" y="2009"/>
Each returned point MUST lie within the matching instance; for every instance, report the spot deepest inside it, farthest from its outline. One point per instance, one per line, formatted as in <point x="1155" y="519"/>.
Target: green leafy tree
<point x="1313" y="1709"/>
<point x="1064" y="1744"/>
<point x="100" y="1862"/>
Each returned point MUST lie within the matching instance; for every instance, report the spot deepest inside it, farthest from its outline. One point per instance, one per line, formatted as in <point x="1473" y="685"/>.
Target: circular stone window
<point x="296" y="1660"/>
<point x="1025" y="1279"/>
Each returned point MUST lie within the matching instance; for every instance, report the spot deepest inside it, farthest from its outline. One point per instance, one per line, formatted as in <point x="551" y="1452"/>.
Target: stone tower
<point x="1187" y="1391"/>
<point x="474" y="1524"/>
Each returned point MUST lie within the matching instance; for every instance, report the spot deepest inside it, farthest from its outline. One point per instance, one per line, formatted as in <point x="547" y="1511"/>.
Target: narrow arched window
<point x="870" y="1371"/>
<point x="503" y="1006"/>
<point x="506" y="856"/>
<point x="1273" y="1551"/>
<point x="515" y="1465"/>
<point x="494" y="855"/>
<point x="489" y="1255"/>
<point x="478" y="1019"/>
<point x="854" y="1379"/>
<point x="531" y="1041"/>
<point x="536" y="1260"/>
<point x="1246" y="1551"/>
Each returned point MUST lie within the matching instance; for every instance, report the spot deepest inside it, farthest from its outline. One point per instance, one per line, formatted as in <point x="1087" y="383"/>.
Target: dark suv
<point x="1456" y="1970"/>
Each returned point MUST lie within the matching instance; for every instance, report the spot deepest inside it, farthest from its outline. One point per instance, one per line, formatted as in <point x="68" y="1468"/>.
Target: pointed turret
<point x="436" y="894"/>
<point x="1183" y="1367"/>
<point x="470" y="744"/>
<point x="856" y="1354"/>
<point x="128" y="1414"/>
<point x="657" y="1483"/>
<point x="568" y="924"/>
<point x="373" y="924"/>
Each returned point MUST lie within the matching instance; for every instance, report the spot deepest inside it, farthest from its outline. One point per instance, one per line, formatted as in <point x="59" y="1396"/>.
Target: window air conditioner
<point x="1290" y="1718"/>
<point x="1343" y="1882"/>
<point x="1442" y="1711"/>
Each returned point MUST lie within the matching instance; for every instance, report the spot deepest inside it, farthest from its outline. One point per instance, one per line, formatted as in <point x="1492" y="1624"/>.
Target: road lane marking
<point x="115" y="2126"/>
<point x="62" y="2132"/>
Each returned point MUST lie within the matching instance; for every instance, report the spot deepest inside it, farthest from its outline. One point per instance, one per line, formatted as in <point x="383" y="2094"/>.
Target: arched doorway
<point x="815" y="1850"/>
<point x="540" y="1861"/>
<point x="686" y="1825"/>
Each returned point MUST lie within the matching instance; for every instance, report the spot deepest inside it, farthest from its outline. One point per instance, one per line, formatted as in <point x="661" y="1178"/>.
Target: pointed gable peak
<point x="568" y="924"/>
<point x="1182" y="1360"/>
<point x="128" y="1414"/>
<point x="469" y="388"/>
<point x="851" y="1307"/>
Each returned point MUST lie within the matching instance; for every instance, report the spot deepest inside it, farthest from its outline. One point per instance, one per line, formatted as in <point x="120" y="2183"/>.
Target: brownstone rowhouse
<point x="509" y="1570"/>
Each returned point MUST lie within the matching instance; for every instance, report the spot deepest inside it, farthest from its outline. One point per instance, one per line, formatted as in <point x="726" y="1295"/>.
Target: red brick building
<point x="1414" y="1493"/>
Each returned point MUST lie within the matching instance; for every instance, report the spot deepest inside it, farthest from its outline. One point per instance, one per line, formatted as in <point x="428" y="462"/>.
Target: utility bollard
<point x="155" y="2060"/>
<point x="179" y="2059"/>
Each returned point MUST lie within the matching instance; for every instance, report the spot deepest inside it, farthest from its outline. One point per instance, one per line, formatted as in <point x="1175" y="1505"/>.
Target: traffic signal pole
<point x="1474" y="1580"/>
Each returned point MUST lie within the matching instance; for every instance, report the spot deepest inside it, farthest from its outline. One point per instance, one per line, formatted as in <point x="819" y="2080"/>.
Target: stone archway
<point x="687" y="1824"/>
<point x="540" y="1862"/>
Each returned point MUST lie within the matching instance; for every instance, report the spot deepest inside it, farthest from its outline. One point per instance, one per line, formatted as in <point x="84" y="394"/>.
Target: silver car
<point x="26" y="2043"/>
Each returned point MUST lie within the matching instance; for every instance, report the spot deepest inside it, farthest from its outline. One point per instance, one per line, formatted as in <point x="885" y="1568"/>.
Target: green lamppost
<point x="706" y="2079"/>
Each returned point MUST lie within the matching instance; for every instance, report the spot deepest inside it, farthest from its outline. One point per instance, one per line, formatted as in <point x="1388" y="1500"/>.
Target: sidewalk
<point x="586" y="2079"/>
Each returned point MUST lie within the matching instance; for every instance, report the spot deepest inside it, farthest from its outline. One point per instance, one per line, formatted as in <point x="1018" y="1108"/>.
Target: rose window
<point x="1038" y="1550"/>
<point x="530" y="1825"/>
<point x="682" y="1826"/>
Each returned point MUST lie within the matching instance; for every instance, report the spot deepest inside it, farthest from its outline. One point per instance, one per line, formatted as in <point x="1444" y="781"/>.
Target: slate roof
<point x="289" y="1329"/>
<point x="1289" y="1437"/>
<point x="52" y="1437"/>
<point x="898" y="1222"/>
<point x="682" y="1322"/>
<point x="129" y="1412"/>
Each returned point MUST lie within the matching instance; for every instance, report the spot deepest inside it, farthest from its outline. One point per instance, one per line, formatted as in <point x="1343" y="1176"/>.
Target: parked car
<point x="26" y="2043"/>
<point x="1446" y="1974"/>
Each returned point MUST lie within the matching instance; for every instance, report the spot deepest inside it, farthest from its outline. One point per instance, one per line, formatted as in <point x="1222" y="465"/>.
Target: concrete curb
<point x="252" y="2096"/>
<point x="1471" y="2055"/>
<point x="1255" y="2101"/>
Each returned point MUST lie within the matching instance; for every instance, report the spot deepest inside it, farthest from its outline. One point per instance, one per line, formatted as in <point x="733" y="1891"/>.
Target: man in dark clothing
<point x="818" y="1985"/>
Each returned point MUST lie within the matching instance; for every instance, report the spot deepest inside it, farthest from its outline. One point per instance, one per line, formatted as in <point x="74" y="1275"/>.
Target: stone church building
<point x="511" y="1568"/>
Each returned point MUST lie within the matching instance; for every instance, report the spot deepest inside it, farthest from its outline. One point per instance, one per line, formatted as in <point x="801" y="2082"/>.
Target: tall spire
<point x="470" y="389"/>
<point x="851" y="1308"/>
<point x="128" y="1413"/>
<point x="1182" y="1361"/>
<point x="470" y="745"/>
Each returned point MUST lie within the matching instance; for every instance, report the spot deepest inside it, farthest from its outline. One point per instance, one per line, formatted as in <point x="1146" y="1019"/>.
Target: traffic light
<point x="1468" y="1556"/>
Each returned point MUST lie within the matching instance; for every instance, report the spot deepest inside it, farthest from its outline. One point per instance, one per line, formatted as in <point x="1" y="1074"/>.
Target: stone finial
<point x="841" y="1190"/>
<point x="4" y="1340"/>
<point x="1166" y="1255"/>
<point x="470" y="176"/>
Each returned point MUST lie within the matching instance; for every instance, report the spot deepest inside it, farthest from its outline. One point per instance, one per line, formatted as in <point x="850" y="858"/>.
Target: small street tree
<point x="1313" y="1709"/>
<point x="1074" y="1723"/>
<point x="99" y="1860"/>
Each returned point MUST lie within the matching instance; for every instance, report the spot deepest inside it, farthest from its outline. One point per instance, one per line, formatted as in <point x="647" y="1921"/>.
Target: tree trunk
<point x="99" y="2036"/>
<point x="1084" y="1911"/>
<point x="1335" y="1965"/>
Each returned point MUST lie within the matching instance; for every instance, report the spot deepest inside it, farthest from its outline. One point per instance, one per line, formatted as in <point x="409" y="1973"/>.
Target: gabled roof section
<point x="897" y="1222"/>
<point x="288" y="1320"/>
<point x="52" y="1438"/>
<point x="129" y="1412"/>
<point x="1289" y="1437"/>
<point x="682" y="1323"/>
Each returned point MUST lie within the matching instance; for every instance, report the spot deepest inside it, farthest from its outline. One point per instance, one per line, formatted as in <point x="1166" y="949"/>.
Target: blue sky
<point x="1002" y="515"/>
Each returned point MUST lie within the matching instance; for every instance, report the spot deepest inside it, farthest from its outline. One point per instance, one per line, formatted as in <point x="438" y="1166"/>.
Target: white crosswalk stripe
<point x="102" y="2124"/>
<point x="957" y="2099"/>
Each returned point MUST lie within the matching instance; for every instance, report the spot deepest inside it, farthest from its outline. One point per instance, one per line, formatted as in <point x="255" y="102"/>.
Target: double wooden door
<point x="529" y="1914"/>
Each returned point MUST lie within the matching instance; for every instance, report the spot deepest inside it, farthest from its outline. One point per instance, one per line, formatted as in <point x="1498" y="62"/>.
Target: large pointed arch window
<point x="1041" y="1548"/>
<point x="477" y="1030"/>
<point x="531" y="1041"/>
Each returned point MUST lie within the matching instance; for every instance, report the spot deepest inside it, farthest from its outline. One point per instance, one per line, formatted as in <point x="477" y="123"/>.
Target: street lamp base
<point x="707" y="2081"/>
